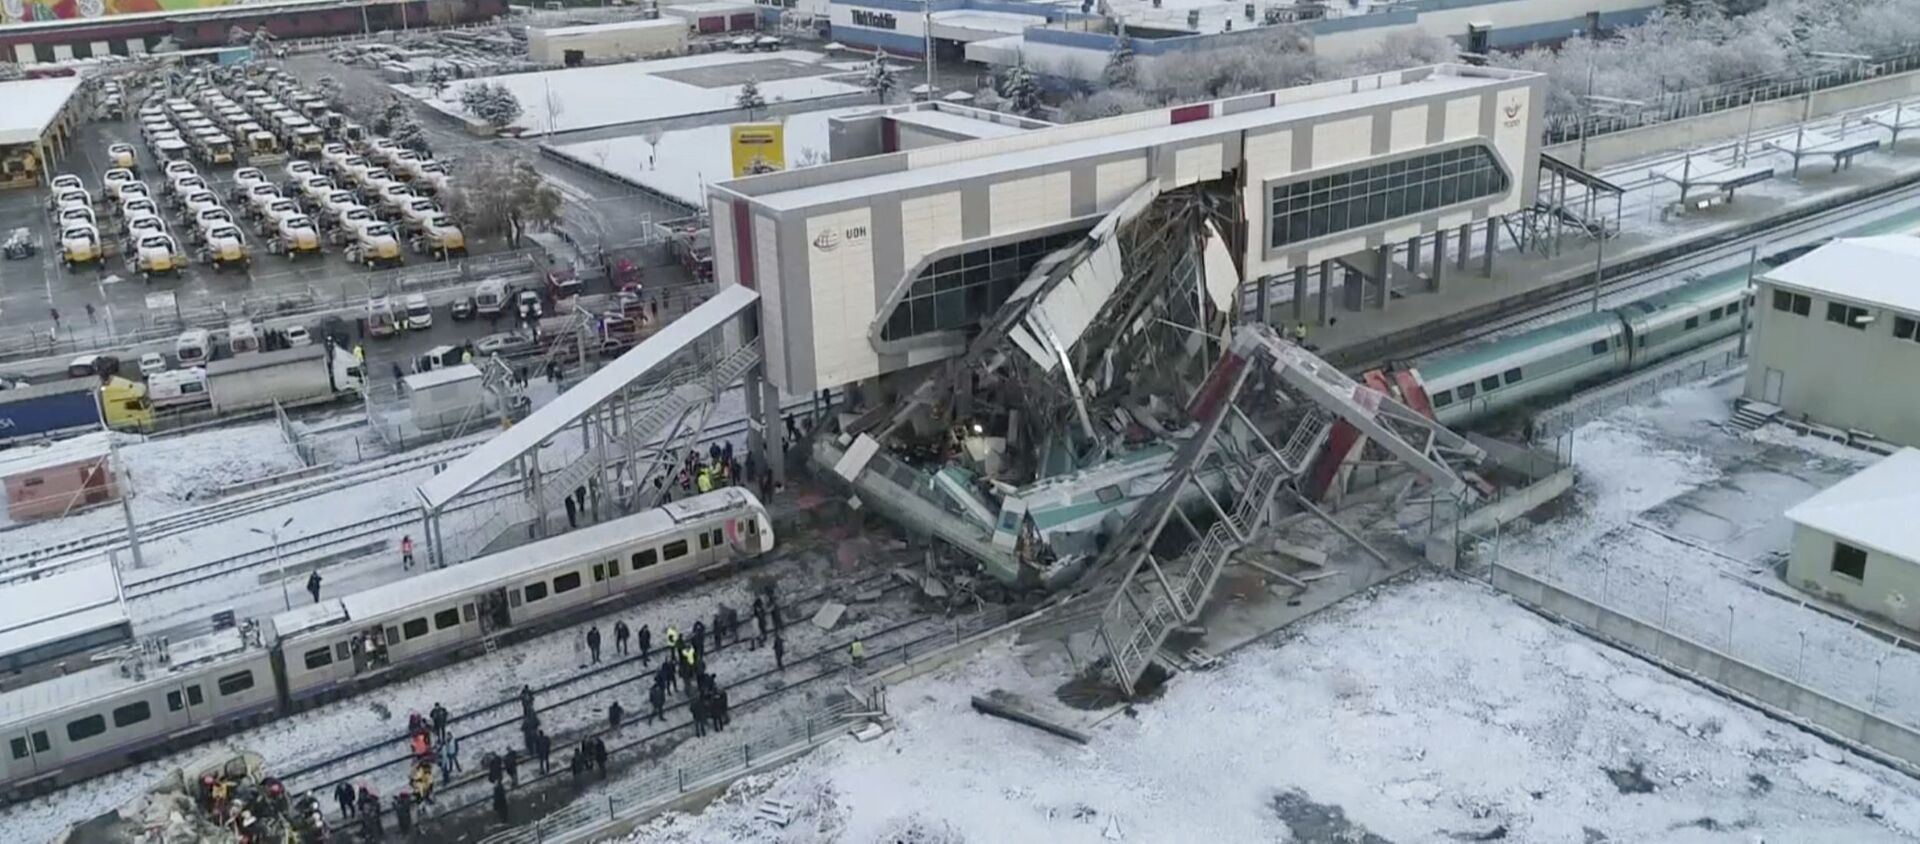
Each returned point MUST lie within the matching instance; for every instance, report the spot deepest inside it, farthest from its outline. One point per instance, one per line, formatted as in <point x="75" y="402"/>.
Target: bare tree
<point x="652" y="136"/>
<point x="499" y="194"/>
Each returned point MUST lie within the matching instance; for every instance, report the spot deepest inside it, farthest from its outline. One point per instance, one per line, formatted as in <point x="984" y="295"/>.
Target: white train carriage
<point x="1508" y="372"/>
<point x="1686" y="318"/>
<point x="102" y="718"/>
<point x="334" y="645"/>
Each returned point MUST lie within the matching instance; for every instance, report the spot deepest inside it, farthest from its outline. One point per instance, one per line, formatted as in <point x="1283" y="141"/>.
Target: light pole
<point x="278" y="564"/>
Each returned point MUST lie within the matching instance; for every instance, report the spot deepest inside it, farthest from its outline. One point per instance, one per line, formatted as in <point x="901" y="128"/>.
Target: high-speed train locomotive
<point x="172" y="695"/>
<point x="1510" y="372"/>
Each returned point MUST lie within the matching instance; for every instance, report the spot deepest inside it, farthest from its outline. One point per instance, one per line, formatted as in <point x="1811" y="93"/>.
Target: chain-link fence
<point x="1593" y="404"/>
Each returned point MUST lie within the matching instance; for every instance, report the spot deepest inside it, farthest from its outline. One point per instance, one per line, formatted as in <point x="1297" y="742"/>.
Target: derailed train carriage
<point x="171" y="695"/>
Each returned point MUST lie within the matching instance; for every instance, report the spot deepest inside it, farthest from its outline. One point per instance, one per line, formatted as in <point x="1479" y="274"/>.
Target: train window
<point x="1599" y="347"/>
<point x="341" y="650"/>
<point x="753" y="526"/>
<point x="466" y="611"/>
<point x="566" y="582"/>
<point x="194" y="697"/>
<point x="613" y="567"/>
<point x="717" y="537"/>
<point x="1491" y="382"/>
<point x="1715" y="314"/>
<point x="318" y="658"/>
<point x="131" y="714"/>
<point x="1511" y="376"/>
<point x="674" y="550"/>
<point x="1693" y="322"/>
<point x="599" y="572"/>
<point x="19" y="747"/>
<point x="1443" y="398"/>
<point x="414" y="628"/>
<point x="445" y="619"/>
<point x="1903" y="328"/>
<point x="40" y="743"/>
<point x="233" y="684"/>
<point x="174" y="703"/>
<point x="644" y="559"/>
<point x="536" y="592"/>
<point x="1467" y="391"/>
<point x="86" y="728"/>
<point x="704" y="543"/>
<point x="1733" y="308"/>
<point x="1793" y="303"/>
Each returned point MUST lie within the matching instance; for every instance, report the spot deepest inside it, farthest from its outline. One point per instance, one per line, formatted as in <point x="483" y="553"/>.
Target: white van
<point x="242" y="337"/>
<point x="193" y="348"/>
<point x="178" y="388"/>
<point x="490" y="297"/>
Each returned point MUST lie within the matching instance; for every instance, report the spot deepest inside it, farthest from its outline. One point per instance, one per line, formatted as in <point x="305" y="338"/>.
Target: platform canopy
<point x="31" y="106"/>
<point x="574" y="404"/>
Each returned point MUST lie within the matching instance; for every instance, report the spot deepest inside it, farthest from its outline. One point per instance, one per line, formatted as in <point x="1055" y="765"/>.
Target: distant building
<point x="53" y="479"/>
<point x="1858" y="542"/>
<point x="574" y="45"/>
<point x="1837" y="338"/>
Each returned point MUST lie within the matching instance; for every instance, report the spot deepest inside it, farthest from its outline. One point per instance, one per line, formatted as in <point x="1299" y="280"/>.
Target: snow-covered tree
<point x="750" y="100"/>
<point x="498" y="194"/>
<point x="492" y="103"/>
<point x="1107" y="102"/>
<point x="261" y="41"/>
<point x="879" y="79"/>
<point x="237" y="35"/>
<point x="438" y="77"/>
<point x="1020" y="90"/>
<point x="1121" y="71"/>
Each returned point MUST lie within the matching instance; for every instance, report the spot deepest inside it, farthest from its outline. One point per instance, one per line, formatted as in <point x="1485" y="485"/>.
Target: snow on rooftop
<point x="687" y="160"/>
<point x="619" y="26"/>
<point x="1878" y="508"/>
<point x="959" y="124"/>
<point x="31" y="105"/>
<point x="35" y="457"/>
<point x="1009" y="23"/>
<point x="1360" y="724"/>
<point x="634" y="92"/>
<point x="1882" y="270"/>
<point x="442" y="376"/>
<point x="64" y="604"/>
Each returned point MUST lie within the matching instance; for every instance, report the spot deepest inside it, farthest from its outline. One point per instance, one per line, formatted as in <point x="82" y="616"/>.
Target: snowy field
<point x="589" y="97"/>
<point x="687" y="160"/>
<point x="1362" y="716"/>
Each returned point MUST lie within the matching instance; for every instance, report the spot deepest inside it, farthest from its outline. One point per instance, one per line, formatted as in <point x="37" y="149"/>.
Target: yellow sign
<point x="758" y="148"/>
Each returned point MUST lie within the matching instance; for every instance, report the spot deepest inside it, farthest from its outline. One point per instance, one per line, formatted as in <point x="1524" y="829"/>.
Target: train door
<point x="493" y="610"/>
<point x="28" y="752"/>
<point x="370" y="650"/>
<point x="194" y="699"/>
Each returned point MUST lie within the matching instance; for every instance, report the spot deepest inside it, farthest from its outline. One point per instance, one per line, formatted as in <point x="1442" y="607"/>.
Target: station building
<point x="886" y="263"/>
<point x="1856" y="542"/>
<point x="1837" y="339"/>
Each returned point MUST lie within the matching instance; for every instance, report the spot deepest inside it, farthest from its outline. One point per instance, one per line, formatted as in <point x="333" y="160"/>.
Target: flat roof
<point x="1075" y="141"/>
<point x="68" y="603"/>
<point x="1009" y="23"/>
<point x="442" y="376"/>
<point x="495" y="454"/>
<point x="1882" y="270"/>
<point x="1873" y="509"/>
<point x="22" y="459"/>
<point x="263" y="360"/>
<point x="958" y="124"/>
<point x="32" y="104"/>
<point x="592" y="28"/>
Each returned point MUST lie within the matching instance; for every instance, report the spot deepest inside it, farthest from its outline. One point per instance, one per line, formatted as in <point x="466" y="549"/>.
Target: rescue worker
<point x="673" y="638"/>
<point x="359" y="354"/>
<point x="704" y="480"/>
<point x="1300" y="334"/>
<point x="620" y="636"/>
<point x="858" y="650"/>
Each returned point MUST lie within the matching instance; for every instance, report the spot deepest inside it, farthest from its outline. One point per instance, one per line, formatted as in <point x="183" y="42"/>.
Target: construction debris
<point x="1002" y="710"/>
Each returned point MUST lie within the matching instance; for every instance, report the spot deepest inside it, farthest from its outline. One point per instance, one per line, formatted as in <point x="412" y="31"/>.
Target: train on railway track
<point x="1516" y="372"/>
<point x="172" y="695"/>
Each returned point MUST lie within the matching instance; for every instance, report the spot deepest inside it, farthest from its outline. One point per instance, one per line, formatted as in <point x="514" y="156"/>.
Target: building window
<point x="1847" y="315"/>
<point x="1792" y="303"/>
<point x="1849" y="561"/>
<point x="957" y="291"/>
<point x="1366" y="196"/>
<point x="1903" y="329"/>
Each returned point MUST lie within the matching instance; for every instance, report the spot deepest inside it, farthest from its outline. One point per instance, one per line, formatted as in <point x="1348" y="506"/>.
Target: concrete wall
<point x="1820" y="367"/>
<point x="1893" y="743"/>
<point x="1691" y="132"/>
<point x="1443" y="545"/>
<point x="1890" y="589"/>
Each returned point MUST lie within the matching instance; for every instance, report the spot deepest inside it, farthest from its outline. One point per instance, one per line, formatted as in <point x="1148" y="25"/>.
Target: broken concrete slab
<point x="1302" y="554"/>
<point x="829" y="615"/>
<point x="1001" y="710"/>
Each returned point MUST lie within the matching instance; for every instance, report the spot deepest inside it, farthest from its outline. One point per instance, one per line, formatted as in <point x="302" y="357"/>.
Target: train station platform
<point x="1417" y="317"/>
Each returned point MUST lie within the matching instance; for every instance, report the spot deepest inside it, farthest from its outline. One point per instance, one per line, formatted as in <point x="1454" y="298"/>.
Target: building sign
<point x="1512" y="111"/>
<point x="777" y="4"/>
<point x="830" y="239"/>
<point x="875" y="20"/>
<point x="28" y="11"/>
<point x="758" y="148"/>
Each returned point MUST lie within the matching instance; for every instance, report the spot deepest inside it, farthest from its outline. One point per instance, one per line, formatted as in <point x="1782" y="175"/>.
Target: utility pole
<point x="927" y="24"/>
<point x="279" y="564"/>
<point x="1599" y="265"/>
<point x="1746" y="307"/>
<point x="126" y="507"/>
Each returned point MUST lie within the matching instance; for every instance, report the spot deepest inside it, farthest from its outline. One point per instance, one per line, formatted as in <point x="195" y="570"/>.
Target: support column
<point x="1413" y="254"/>
<point x="1439" y="260"/>
<point x="1486" y="260"/>
<point x="1326" y="282"/>
<point x="1299" y="294"/>
<point x="1383" y="269"/>
<point x="1353" y="290"/>
<point x="1465" y="246"/>
<point x="777" y="444"/>
<point x="1260" y="299"/>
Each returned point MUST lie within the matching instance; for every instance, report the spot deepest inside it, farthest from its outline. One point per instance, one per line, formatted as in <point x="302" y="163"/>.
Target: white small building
<point x="446" y="397"/>
<point x="1858" y="542"/>
<point x="575" y="45"/>
<point x="1837" y="337"/>
<point x="716" y="16"/>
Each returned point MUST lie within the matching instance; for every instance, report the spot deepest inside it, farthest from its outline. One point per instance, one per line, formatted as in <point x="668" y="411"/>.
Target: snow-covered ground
<point x="588" y="97"/>
<point x="688" y="160"/>
<point x="1430" y="709"/>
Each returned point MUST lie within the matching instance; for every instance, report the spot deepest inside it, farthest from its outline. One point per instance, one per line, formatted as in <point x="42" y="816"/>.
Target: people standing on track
<point x="438" y="714"/>
<point x="526" y="701"/>
<point x="614" y="711"/>
<point x="593" y="642"/>
<point x="664" y="676"/>
<point x="512" y="764"/>
<point x="657" y="697"/>
<point x="406" y="552"/>
<point x="598" y="746"/>
<point x="689" y="659"/>
<point x="620" y="636"/>
<point x="543" y="745"/>
<point x="644" y="639"/>
<point x="858" y="652"/>
<point x="500" y="803"/>
<point x="494" y="766"/>
<point x="698" y="709"/>
<point x="449" y="755"/>
<point x="403" y="812"/>
<point x="313" y="586"/>
<point x="719" y="628"/>
<point x="700" y="637"/>
<point x="779" y="652"/>
<point x="759" y="622"/>
<point x="573" y="514"/>
<point x="343" y="795"/>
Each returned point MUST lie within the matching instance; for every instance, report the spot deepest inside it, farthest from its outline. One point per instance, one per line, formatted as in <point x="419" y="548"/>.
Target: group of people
<point x="362" y="805"/>
<point x="258" y="812"/>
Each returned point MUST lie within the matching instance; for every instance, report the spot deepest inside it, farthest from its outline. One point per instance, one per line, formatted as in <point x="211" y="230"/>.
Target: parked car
<point x="464" y="309"/>
<point x="152" y="363"/>
<point x="419" y="313"/>
<point x="505" y="344"/>
<point x="101" y="366"/>
<point x="527" y="304"/>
